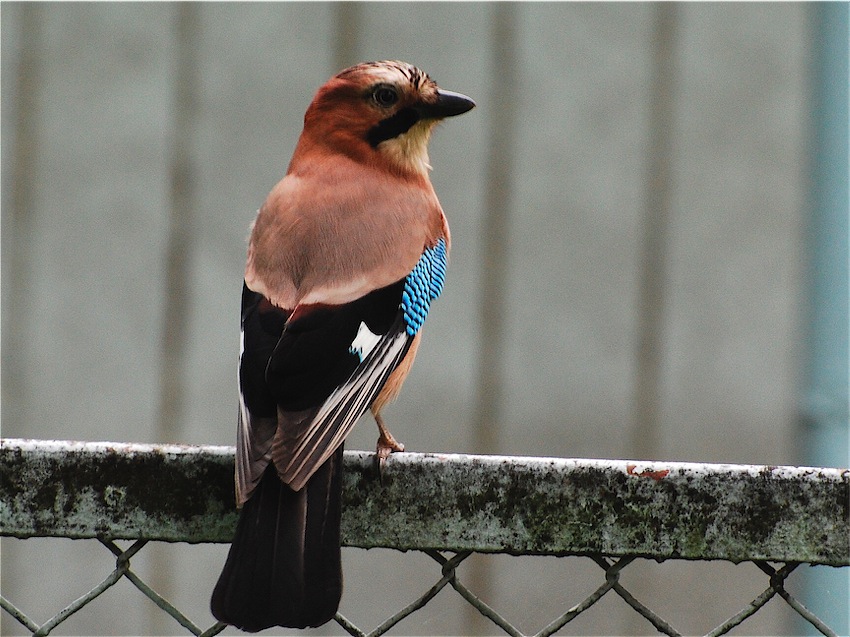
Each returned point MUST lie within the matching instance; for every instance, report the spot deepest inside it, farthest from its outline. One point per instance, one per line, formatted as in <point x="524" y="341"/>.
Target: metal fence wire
<point x="447" y="507"/>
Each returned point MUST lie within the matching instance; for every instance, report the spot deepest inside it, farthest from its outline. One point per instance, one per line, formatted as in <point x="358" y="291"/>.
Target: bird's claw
<point x="386" y="445"/>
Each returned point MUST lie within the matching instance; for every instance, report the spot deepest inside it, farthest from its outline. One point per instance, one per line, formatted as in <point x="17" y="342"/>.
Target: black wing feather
<point x="303" y="385"/>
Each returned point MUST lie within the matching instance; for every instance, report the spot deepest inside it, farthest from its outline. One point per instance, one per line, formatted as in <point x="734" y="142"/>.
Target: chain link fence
<point x="447" y="507"/>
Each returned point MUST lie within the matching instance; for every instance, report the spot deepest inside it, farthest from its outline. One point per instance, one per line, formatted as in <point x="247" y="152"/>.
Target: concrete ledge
<point x="545" y="506"/>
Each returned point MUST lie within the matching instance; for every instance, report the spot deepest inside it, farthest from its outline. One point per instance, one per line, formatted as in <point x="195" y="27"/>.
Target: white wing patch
<point x="364" y="342"/>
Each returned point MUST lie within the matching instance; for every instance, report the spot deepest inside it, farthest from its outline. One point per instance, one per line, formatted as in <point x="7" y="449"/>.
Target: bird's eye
<point x="385" y="96"/>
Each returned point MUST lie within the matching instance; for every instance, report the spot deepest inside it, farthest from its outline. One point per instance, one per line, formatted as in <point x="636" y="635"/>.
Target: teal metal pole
<point x="826" y="408"/>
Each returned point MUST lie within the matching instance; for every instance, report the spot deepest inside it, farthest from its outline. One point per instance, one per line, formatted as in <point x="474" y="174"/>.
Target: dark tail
<point x="284" y="567"/>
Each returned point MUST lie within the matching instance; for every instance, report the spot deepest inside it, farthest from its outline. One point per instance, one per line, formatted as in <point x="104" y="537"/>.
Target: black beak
<point x="448" y="104"/>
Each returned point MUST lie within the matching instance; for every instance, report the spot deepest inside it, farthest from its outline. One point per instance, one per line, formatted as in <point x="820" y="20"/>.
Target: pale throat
<point x="410" y="149"/>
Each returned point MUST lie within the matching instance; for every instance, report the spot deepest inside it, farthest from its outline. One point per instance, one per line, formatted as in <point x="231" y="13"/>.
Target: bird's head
<point x="381" y="112"/>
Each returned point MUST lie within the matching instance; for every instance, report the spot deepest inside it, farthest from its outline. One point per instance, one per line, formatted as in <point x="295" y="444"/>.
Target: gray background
<point x="96" y="122"/>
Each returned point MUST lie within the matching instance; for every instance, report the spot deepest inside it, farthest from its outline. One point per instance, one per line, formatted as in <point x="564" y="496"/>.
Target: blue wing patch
<point x="423" y="285"/>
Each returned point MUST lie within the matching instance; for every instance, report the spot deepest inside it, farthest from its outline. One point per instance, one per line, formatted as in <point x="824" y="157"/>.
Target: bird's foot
<point x="386" y="445"/>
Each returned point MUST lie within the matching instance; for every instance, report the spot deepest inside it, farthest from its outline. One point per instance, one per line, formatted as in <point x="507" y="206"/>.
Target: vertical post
<point x="178" y="290"/>
<point x="825" y="411"/>
<point x="498" y="194"/>
<point x="653" y="256"/>
<point x="178" y="287"/>
<point x="19" y="218"/>
<point x="501" y="108"/>
<point x="348" y="18"/>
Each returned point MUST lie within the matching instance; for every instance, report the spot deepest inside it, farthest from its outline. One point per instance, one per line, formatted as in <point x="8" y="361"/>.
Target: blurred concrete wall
<point x="90" y="121"/>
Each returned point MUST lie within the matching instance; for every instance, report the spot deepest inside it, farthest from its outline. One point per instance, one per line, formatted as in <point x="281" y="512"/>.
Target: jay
<point x="344" y="259"/>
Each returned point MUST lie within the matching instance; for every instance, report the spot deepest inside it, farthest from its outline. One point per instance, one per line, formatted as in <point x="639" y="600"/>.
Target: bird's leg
<point x="386" y="443"/>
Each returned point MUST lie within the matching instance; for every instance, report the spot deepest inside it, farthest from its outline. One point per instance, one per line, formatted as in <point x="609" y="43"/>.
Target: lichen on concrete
<point x="546" y="506"/>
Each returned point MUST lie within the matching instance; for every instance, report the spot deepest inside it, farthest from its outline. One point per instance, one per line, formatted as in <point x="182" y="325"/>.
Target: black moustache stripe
<point x="392" y="127"/>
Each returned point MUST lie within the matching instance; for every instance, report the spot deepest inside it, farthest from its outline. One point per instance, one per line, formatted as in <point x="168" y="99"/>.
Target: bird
<point x="344" y="259"/>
